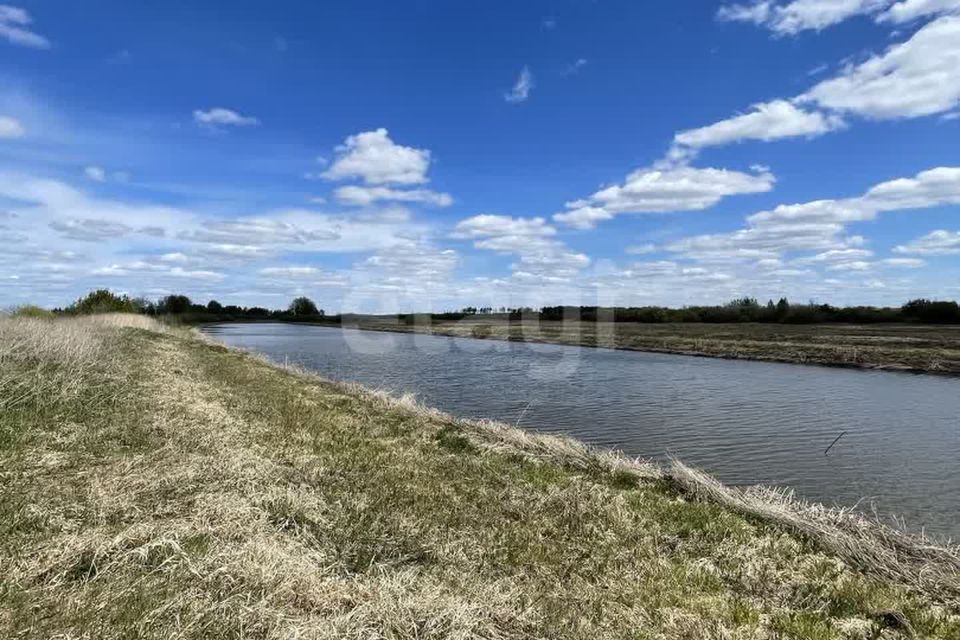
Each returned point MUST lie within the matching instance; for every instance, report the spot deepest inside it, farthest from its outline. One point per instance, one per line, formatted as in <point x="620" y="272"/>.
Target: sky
<point x="400" y="155"/>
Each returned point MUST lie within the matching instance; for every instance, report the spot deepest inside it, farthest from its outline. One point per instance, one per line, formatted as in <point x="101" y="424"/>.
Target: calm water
<point x="745" y="422"/>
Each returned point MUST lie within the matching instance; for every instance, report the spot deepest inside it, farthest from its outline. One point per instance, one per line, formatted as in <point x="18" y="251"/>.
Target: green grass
<point x="186" y="490"/>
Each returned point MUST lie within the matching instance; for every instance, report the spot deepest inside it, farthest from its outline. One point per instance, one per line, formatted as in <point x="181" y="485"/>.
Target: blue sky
<point x="396" y="155"/>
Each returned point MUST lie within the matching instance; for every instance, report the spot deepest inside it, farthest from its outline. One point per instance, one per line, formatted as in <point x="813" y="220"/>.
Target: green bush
<point x="32" y="311"/>
<point x="102" y="301"/>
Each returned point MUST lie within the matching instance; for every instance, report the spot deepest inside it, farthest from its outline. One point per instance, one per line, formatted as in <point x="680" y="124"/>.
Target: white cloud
<point x="799" y="15"/>
<point x="97" y="174"/>
<point x="175" y="257"/>
<point x="662" y="191"/>
<point x="642" y="249"/>
<point x="376" y="159"/>
<point x="367" y="195"/>
<point x="918" y="77"/>
<point x="245" y="251"/>
<point x="910" y="10"/>
<point x="290" y="272"/>
<point x="414" y="262"/>
<point x="934" y="187"/>
<point x="820" y="225"/>
<point x="256" y="232"/>
<point x="839" y="256"/>
<point x="220" y="117"/>
<point x="905" y="263"/>
<point x="504" y="233"/>
<point x="90" y="229"/>
<point x="575" y="67"/>
<point x="543" y="258"/>
<point x="765" y="121"/>
<point x="14" y="28"/>
<point x="156" y="270"/>
<point x="11" y="128"/>
<point x="935" y="243"/>
<point x="855" y="265"/>
<point x="521" y="88"/>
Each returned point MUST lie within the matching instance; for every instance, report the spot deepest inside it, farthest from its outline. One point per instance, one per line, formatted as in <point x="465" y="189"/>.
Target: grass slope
<point x="157" y="486"/>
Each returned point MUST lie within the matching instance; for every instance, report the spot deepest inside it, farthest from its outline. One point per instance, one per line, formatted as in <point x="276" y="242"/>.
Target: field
<point x="899" y="347"/>
<point x="155" y="485"/>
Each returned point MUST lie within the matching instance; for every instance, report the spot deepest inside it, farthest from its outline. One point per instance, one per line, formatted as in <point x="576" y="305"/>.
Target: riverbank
<point x="931" y="349"/>
<point x="156" y="485"/>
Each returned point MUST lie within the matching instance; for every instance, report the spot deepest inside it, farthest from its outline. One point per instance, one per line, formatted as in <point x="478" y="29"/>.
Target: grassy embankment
<point x="898" y="347"/>
<point x="158" y="486"/>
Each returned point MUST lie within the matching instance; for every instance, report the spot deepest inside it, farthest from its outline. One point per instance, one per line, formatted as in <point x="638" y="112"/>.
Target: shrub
<point x="32" y="311"/>
<point x="102" y="301"/>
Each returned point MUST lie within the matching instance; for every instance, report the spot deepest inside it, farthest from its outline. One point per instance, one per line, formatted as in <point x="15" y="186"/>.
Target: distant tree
<point x="102" y="301"/>
<point x="783" y="308"/>
<point x="304" y="307"/>
<point x="143" y="305"/>
<point x="174" y="304"/>
<point x="214" y="307"/>
<point x="931" y="311"/>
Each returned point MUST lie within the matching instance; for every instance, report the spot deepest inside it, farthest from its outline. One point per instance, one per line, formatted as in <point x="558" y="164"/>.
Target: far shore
<point x="927" y="349"/>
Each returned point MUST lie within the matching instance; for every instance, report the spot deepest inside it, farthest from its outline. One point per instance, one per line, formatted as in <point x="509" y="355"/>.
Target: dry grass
<point x="185" y="490"/>
<point x="52" y="360"/>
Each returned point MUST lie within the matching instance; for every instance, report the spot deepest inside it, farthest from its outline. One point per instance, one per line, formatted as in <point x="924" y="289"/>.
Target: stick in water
<point x="835" y="441"/>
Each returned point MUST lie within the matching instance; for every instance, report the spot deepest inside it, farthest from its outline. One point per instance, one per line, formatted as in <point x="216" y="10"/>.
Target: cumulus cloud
<point x="663" y="191"/>
<point x="373" y="157"/>
<point x="820" y="226"/>
<point x="11" y="128"/>
<point x="220" y="117"/>
<point x="366" y="195"/>
<point x="542" y="256"/>
<point x="15" y="28"/>
<point x="793" y="17"/>
<point x="766" y="121"/>
<point x="918" y="77"/>
<point x="414" y="261"/>
<point x="504" y="233"/>
<point x="910" y="10"/>
<point x="915" y="78"/>
<point x="521" y="88"/>
<point x="935" y="243"/>
<point x="799" y="15"/>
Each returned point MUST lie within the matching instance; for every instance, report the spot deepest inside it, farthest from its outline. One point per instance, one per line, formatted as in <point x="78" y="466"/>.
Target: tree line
<point x="182" y="308"/>
<point x="783" y="311"/>
<point x="303" y="309"/>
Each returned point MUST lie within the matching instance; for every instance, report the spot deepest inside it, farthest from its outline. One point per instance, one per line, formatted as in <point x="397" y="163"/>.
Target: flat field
<point x="901" y="347"/>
